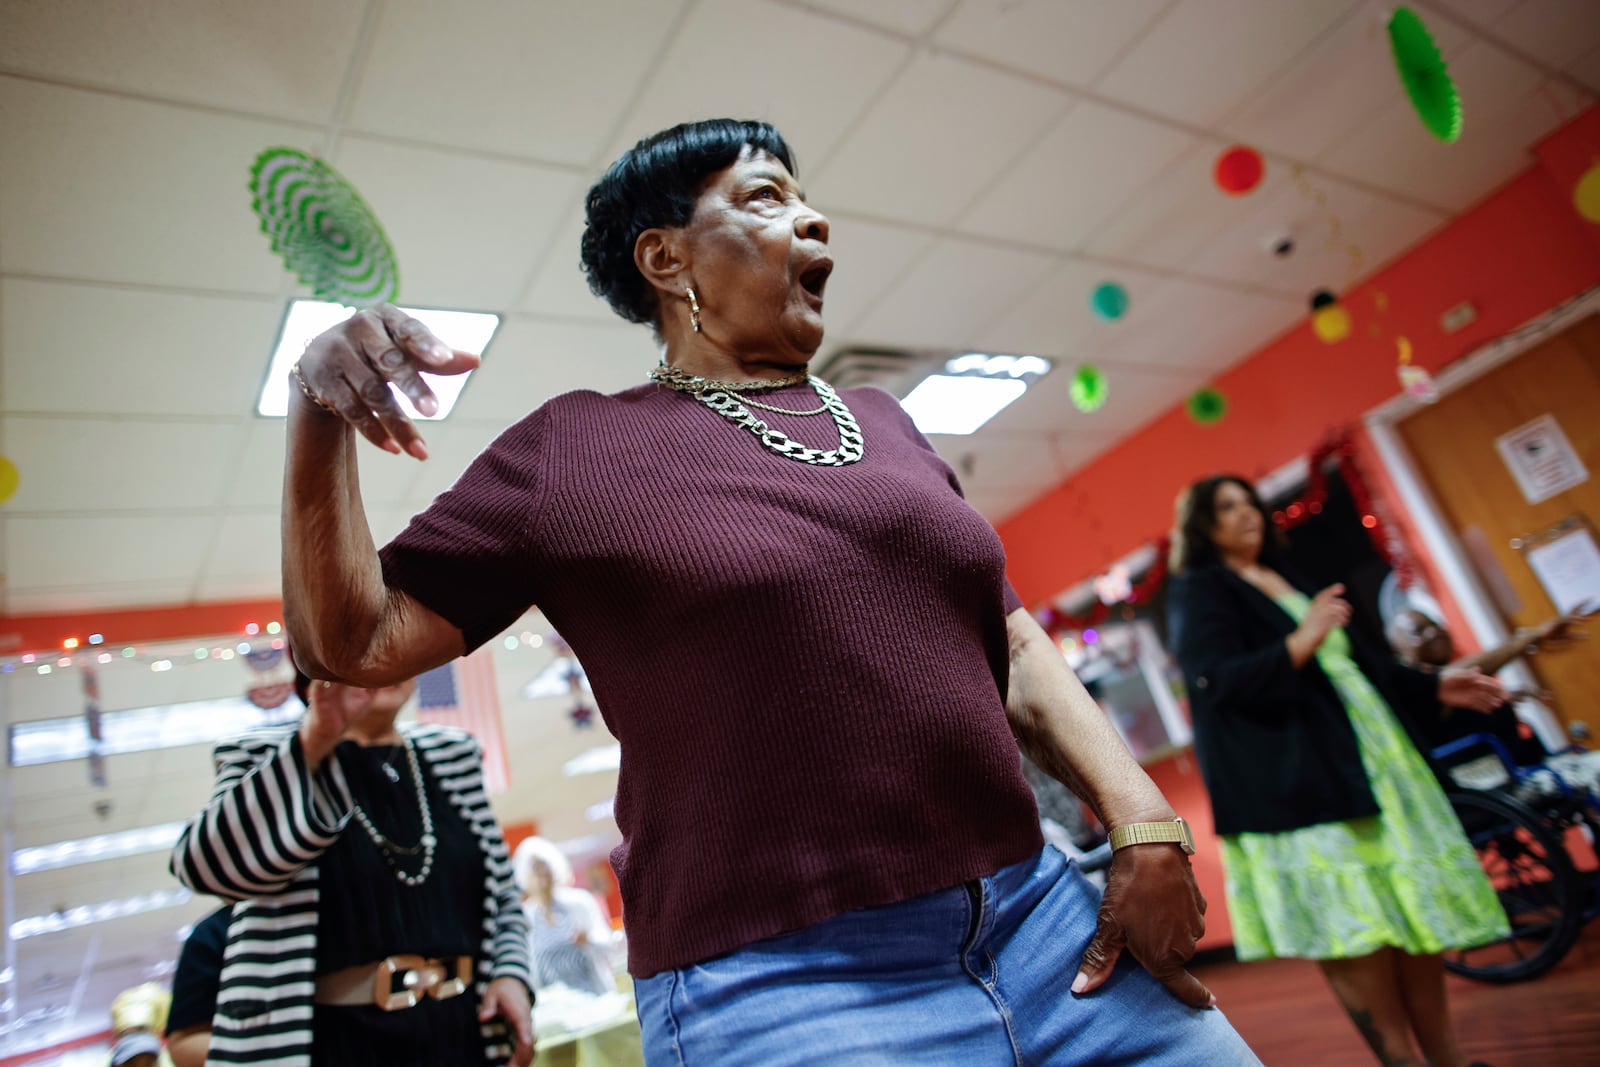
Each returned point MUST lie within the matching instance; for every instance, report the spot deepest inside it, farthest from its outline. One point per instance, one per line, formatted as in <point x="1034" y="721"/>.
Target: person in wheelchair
<point x="1422" y="641"/>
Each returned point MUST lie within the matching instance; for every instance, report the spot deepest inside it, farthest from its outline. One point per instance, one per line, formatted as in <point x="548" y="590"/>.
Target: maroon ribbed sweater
<point x="806" y="666"/>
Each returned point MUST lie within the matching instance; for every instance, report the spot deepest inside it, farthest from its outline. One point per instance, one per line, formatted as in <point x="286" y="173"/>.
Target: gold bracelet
<point x="306" y="389"/>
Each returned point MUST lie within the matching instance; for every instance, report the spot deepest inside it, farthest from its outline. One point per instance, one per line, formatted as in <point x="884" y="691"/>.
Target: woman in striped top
<point x="376" y="920"/>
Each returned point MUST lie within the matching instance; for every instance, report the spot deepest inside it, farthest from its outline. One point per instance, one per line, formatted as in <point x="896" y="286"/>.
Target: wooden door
<point x="1453" y="443"/>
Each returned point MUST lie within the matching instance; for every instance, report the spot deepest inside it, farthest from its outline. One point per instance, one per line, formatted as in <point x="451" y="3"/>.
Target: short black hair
<point x="1197" y="517"/>
<point x="656" y="183"/>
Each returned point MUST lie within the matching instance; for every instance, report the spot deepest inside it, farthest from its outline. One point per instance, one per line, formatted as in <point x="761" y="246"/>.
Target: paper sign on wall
<point x="1568" y="566"/>
<point x="1541" y="459"/>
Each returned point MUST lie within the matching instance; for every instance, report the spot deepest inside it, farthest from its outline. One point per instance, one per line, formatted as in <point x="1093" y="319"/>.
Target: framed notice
<point x="1541" y="459"/>
<point x="1566" y="560"/>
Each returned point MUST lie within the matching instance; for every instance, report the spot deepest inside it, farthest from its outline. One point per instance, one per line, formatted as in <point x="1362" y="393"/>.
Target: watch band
<point x="1175" y="832"/>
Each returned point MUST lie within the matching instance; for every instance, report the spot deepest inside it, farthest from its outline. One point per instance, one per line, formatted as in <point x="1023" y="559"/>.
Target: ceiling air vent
<point x="896" y="370"/>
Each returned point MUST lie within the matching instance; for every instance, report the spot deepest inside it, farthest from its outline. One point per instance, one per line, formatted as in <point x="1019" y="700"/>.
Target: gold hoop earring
<point x="694" y="308"/>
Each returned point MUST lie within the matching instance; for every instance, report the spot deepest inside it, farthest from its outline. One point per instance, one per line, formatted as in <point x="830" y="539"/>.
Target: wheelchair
<point x="1525" y="823"/>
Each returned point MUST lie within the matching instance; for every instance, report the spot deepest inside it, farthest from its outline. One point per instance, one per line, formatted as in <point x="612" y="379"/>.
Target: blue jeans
<point x="971" y="976"/>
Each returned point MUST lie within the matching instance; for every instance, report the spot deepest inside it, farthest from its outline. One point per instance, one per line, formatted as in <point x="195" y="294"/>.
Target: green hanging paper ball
<point x="1424" y="75"/>
<point x="325" y="232"/>
<point x="1088" y="388"/>
<point x="1207" y="406"/>
<point x="1109" y="300"/>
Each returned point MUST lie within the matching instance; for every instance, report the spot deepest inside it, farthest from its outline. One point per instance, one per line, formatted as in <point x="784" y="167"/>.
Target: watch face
<point x="1186" y="838"/>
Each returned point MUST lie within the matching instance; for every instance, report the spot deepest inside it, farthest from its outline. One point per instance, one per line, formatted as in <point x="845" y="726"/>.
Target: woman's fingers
<point x="352" y="366"/>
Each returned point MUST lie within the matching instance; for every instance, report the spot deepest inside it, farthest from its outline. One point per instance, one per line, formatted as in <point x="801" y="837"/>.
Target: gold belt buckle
<point x="413" y="972"/>
<point x="445" y="988"/>
<point x="419" y="977"/>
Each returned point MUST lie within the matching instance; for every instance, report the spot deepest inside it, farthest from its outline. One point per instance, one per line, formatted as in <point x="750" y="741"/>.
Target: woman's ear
<point x="660" y="255"/>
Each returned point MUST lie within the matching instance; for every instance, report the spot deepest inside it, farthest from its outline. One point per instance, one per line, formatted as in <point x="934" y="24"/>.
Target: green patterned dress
<point x="1406" y="877"/>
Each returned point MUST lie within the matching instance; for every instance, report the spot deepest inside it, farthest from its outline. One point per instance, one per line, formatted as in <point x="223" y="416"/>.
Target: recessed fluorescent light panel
<point x="469" y="331"/>
<point x="84" y="915"/>
<point x="971" y="389"/>
<point x="101" y="847"/>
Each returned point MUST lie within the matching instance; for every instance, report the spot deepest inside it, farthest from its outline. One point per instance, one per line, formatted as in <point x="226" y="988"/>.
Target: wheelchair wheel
<point x="1535" y="881"/>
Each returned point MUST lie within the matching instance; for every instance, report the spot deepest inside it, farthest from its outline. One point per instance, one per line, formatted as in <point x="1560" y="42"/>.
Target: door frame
<point x="1438" y="539"/>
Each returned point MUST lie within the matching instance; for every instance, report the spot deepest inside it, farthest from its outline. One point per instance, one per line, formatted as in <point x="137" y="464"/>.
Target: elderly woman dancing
<point x="802" y="636"/>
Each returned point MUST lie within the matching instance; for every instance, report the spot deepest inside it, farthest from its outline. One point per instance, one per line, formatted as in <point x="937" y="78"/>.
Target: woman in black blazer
<point x="1337" y="841"/>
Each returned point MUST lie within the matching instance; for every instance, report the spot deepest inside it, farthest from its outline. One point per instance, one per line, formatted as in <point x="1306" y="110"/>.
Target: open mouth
<point x="814" y="279"/>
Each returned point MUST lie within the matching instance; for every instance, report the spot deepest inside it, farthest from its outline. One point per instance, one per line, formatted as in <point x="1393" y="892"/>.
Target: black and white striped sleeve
<point x="268" y="818"/>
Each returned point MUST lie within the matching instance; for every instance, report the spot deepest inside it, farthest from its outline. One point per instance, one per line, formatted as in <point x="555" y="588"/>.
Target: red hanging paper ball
<point x="1238" y="170"/>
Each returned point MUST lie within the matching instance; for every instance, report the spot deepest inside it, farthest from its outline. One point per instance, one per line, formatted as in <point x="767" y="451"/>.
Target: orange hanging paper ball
<point x="1586" y="195"/>
<point x="1331" y="324"/>
<point x="1238" y="170"/>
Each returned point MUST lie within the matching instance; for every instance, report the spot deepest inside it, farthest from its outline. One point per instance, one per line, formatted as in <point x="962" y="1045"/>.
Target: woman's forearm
<point x="1302" y="646"/>
<point x="1062" y="729"/>
<point x="333" y="591"/>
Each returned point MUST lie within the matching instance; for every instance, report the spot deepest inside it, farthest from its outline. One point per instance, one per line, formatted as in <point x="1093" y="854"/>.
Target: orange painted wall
<point x="1516" y="254"/>
<point x="36" y="633"/>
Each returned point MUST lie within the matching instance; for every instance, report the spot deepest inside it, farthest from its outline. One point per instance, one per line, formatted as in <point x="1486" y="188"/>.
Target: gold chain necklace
<point x="684" y="382"/>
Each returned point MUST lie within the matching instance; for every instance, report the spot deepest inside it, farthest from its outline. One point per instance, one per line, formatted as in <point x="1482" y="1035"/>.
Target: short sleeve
<point x="469" y="556"/>
<point x="194" y="983"/>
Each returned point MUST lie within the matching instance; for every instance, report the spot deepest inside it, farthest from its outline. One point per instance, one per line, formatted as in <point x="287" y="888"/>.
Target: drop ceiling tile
<point x="1055" y="318"/>
<point x="1165" y="223"/>
<point x="936" y="139"/>
<point x="1506" y="109"/>
<point x="263" y="584"/>
<point x="256" y="482"/>
<point x="85" y="551"/>
<point x="1204" y="328"/>
<point x="1135" y="396"/>
<point x="1559" y="32"/>
<point x="722" y="65"/>
<point x="868" y="258"/>
<point x="112" y="189"/>
<point x="284" y="59"/>
<point x="114" y="465"/>
<point x="1481" y="12"/>
<point x="1205" y="57"/>
<point x="1072" y="43"/>
<point x="247" y="545"/>
<point x="96" y="350"/>
<point x="95" y="596"/>
<point x="1079" y="173"/>
<point x="544" y="81"/>
<point x="1343" y="80"/>
<point x="449" y="454"/>
<point x="954" y="289"/>
<point x="561" y="288"/>
<point x="466" y="231"/>
<point x="535" y="359"/>
<point x="910" y="17"/>
<point x="989" y="459"/>
<point x="1323" y="234"/>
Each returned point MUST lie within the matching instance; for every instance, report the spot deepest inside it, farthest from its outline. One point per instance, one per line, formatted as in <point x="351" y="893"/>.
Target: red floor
<point x="1286" y="1012"/>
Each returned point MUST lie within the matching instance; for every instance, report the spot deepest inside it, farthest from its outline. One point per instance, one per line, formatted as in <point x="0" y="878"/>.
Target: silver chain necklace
<point x="851" y="444"/>
<point x="428" y="842"/>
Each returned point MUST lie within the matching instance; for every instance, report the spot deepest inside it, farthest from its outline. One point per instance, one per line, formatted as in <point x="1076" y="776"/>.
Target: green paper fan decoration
<point x="1207" y="406"/>
<point x="1089" y="388"/>
<point x="1423" y="72"/>
<point x="325" y="232"/>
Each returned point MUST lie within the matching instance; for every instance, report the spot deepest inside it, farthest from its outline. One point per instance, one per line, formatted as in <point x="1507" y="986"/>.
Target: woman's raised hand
<point x="1329" y="611"/>
<point x="347" y="370"/>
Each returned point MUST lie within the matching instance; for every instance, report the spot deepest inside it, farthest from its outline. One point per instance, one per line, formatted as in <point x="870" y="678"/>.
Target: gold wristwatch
<point x="1175" y="832"/>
